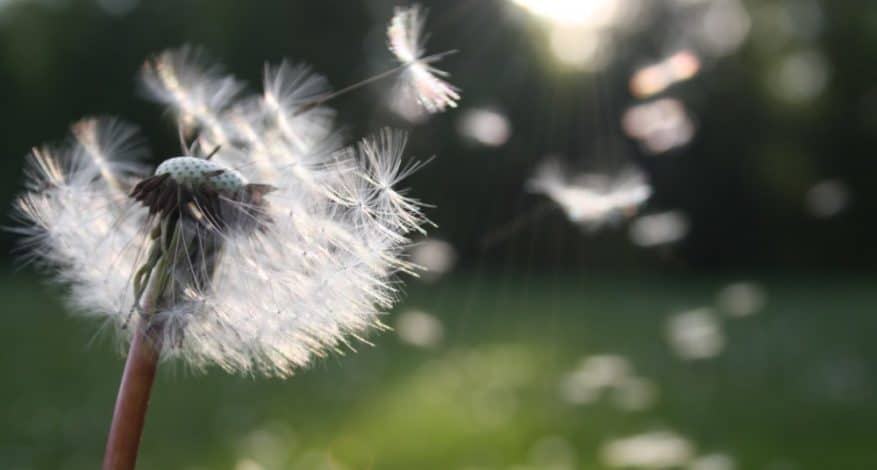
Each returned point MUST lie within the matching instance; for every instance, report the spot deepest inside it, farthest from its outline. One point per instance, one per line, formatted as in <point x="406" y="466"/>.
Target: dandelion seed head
<point x="281" y="248"/>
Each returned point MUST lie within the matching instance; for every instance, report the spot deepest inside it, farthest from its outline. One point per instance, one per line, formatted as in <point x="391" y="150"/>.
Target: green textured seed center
<point x="197" y="172"/>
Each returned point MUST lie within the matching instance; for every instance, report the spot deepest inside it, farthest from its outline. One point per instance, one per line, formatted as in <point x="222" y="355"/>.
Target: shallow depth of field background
<point x="746" y="341"/>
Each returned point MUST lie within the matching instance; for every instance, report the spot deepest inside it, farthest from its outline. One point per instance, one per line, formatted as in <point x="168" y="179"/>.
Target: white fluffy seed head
<point x="314" y="279"/>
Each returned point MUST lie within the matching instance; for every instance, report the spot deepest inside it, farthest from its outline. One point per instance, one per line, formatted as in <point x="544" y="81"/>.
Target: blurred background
<point x="726" y="324"/>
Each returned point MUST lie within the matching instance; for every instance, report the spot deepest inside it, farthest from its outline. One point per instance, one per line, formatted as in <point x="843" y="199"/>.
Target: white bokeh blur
<point x="659" y="229"/>
<point x="484" y="126"/>
<point x="651" y="450"/>
<point x="695" y="334"/>
<point x="420" y="329"/>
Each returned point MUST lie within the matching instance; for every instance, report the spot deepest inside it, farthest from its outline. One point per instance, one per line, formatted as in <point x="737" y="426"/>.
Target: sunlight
<point x="574" y="12"/>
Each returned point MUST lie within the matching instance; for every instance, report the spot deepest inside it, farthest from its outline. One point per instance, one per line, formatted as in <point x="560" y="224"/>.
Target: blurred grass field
<point x="794" y="388"/>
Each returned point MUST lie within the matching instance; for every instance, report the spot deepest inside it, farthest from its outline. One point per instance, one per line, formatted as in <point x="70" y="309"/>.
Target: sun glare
<point x="573" y="12"/>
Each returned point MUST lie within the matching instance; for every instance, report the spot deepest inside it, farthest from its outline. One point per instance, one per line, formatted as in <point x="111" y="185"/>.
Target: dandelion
<point x="591" y="201"/>
<point x="419" y="79"/>
<point x="260" y="248"/>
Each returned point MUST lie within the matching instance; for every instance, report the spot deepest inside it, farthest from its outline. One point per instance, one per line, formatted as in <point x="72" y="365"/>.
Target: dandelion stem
<point x="131" y="403"/>
<point x="135" y="389"/>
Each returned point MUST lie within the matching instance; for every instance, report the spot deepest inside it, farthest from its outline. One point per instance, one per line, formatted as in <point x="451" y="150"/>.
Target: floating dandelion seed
<point x="611" y="373"/>
<point x="659" y="229"/>
<point x="800" y="77"/>
<point x="485" y="127"/>
<point x="261" y="247"/>
<point x="722" y="26"/>
<point x="420" y="329"/>
<point x="552" y="452"/>
<point x="742" y="299"/>
<point x="634" y="394"/>
<point x="655" y="78"/>
<point x="827" y="198"/>
<point x="659" y="125"/>
<point x="419" y="79"/>
<point x="695" y="334"/>
<point x="716" y="461"/>
<point x="435" y="257"/>
<point x="654" y="450"/>
<point x="591" y="200"/>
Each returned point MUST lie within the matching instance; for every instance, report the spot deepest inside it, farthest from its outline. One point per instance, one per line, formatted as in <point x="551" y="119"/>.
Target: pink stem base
<point x="131" y="404"/>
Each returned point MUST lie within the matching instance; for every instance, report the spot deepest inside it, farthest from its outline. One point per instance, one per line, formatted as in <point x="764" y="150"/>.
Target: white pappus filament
<point x="419" y="79"/>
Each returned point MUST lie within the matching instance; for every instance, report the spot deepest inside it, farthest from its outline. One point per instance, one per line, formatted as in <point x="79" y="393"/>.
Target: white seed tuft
<point x="319" y="273"/>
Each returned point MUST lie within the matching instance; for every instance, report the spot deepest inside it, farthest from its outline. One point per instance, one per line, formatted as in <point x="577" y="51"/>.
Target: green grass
<point x="796" y="384"/>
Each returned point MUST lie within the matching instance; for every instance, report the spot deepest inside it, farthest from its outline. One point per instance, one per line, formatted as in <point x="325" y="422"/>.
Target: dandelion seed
<point x="659" y="229"/>
<point x="695" y="334"/>
<point x="436" y="257"/>
<point x="742" y="299"/>
<point x="716" y="461"/>
<point x="655" y="78"/>
<point x="553" y="452"/>
<point x="591" y="201"/>
<point x="659" y="125"/>
<point x="420" y="329"/>
<point x="634" y="394"/>
<point x="654" y="450"/>
<point x="485" y="127"/>
<point x="248" y="464"/>
<point x="593" y="376"/>
<point x="419" y="79"/>
<point x="828" y="198"/>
